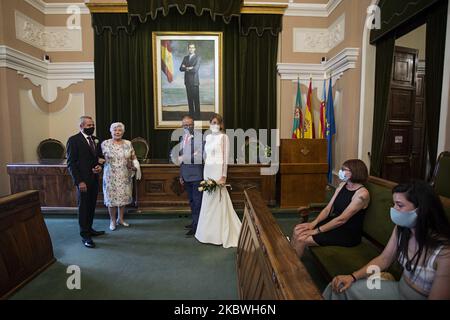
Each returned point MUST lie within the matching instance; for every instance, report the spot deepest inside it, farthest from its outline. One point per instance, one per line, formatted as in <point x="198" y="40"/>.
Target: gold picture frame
<point x="187" y="77"/>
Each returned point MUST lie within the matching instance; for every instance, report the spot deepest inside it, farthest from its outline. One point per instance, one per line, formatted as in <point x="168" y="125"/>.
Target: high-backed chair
<point x="51" y="149"/>
<point x="141" y="147"/>
<point x="441" y="175"/>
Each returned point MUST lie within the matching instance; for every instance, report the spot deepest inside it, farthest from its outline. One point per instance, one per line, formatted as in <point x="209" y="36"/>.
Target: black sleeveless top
<point x="350" y="233"/>
<point x="342" y="201"/>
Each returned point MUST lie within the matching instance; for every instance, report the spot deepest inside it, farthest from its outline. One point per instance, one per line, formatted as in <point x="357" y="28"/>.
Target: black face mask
<point x="89" y="131"/>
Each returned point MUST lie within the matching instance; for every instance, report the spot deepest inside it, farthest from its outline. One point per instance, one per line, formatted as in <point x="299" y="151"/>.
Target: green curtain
<point x="383" y="69"/>
<point x="395" y="13"/>
<point x="151" y="8"/>
<point x="434" y="66"/>
<point x="124" y="74"/>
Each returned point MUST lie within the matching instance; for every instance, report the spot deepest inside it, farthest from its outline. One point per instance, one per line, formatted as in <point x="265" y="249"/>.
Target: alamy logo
<point x="374" y="280"/>
<point x="74" y="20"/>
<point x="373" y="20"/>
<point x="74" y="280"/>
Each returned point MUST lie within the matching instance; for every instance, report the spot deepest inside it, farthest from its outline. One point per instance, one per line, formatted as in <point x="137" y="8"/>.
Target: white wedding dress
<point x="218" y="223"/>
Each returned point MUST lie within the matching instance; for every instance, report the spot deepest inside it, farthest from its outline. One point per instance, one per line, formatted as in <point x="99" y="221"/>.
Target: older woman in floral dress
<point x="120" y="167"/>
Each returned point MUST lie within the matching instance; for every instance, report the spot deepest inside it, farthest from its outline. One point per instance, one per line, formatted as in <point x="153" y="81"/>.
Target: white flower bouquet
<point x="210" y="185"/>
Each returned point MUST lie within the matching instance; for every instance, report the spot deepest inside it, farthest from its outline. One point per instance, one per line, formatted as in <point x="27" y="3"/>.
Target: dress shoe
<point x="112" y="226"/>
<point x="189" y="226"/>
<point x="95" y="233"/>
<point x="123" y="223"/>
<point x="190" y="233"/>
<point x="88" y="243"/>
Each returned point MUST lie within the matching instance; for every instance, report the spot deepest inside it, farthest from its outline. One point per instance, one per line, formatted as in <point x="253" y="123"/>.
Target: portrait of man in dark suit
<point x="190" y="66"/>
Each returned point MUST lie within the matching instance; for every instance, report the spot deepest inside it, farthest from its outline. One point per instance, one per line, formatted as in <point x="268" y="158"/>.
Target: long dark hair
<point x="432" y="227"/>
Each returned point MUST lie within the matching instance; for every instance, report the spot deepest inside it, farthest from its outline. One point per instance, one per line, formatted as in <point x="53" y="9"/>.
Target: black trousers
<point x="195" y="201"/>
<point x="87" y="202"/>
<point x="193" y="97"/>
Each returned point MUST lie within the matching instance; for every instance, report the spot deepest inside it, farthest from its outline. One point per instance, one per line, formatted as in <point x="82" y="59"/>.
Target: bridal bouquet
<point x="210" y="185"/>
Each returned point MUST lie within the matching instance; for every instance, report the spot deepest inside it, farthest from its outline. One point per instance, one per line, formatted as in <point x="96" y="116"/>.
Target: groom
<point x="191" y="168"/>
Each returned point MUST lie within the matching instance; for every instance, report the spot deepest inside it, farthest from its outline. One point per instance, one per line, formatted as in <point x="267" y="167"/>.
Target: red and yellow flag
<point x="322" y="123"/>
<point x="309" y="123"/>
<point x="167" y="59"/>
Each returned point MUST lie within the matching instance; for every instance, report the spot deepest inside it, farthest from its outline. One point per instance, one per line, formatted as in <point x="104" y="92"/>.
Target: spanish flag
<point x="166" y="59"/>
<point x="309" y="123"/>
<point x="297" y="130"/>
<point x="322" y="123"/>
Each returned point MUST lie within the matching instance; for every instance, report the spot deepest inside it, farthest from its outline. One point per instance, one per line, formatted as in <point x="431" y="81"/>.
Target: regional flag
<point x="298" y="115"/>
<point x="331" y="128"/>
<point x="166" y="59"/>
<point x="309" y="123"/>
<point x="322" y="123"/>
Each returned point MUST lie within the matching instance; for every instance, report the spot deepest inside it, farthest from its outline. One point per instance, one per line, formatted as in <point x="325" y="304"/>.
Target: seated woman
<point x="420" y="242"/>
<point x="340" y="223"/>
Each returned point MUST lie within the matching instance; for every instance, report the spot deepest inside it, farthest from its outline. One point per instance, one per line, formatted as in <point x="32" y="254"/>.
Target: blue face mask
<point x="342" y="175"/>
<point x="404" y="219"/>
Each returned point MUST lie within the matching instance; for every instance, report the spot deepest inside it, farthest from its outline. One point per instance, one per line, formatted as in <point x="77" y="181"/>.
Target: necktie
<point x="186" y="140"/>
<point x="91" y="143"/>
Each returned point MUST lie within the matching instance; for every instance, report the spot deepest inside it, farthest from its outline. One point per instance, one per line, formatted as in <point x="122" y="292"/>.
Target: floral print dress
<point x="117" y="178"/>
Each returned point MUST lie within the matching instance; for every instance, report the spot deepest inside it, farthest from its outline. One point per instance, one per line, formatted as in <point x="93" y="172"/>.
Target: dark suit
<point x="192" y="83"/>
<point x="191" y="171"/>
<point x="81" y="159"/>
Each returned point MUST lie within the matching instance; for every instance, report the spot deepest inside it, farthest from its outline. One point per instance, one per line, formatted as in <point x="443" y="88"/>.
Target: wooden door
<point x="418" y="167"/>
<point x="398" y="145"/>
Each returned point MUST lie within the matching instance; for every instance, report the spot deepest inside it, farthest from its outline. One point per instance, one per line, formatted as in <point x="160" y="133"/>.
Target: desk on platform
<point x="158" y="188"/>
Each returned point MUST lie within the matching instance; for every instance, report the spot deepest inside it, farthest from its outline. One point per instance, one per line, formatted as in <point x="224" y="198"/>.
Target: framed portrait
<point x="187" y="77"/>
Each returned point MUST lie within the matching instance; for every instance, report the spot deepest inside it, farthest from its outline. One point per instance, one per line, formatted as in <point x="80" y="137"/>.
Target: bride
<point x="218" y="223"/>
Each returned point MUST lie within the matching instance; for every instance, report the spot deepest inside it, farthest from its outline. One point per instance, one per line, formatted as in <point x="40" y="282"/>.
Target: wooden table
<point x="157" y="189"/>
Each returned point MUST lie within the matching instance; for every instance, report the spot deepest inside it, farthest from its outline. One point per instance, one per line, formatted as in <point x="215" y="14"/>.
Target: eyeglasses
<point x="345" y="169"/>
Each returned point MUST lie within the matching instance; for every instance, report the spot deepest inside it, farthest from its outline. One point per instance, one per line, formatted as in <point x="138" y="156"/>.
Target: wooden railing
<point x="267" y="266"/>
<point x="25" y="244"/>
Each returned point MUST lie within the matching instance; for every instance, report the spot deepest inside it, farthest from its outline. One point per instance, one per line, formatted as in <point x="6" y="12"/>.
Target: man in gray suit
<point x="191" y="168"/>
<point x="190" y="67"/>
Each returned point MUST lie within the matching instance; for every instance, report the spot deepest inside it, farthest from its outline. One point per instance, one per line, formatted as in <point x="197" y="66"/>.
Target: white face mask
<point x="215" y="128"/>
<point x="342" y="175"/>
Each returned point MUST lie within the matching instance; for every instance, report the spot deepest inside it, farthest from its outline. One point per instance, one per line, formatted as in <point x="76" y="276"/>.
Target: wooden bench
<point x="267" y="265"/>
<point x="377" y="229"/>
<point x="25" y="245"/>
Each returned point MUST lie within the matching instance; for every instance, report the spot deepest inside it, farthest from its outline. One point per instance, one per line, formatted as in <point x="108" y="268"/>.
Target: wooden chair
<point x="141" y="147"/>
<point x="51" y="149"/>
<point x="441" y="176"/>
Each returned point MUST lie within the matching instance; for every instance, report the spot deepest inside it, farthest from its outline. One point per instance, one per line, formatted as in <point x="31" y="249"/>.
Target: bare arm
<point x="359" y="201"/>
<point x="383" y="261"/>
<point x="440" y="290"/>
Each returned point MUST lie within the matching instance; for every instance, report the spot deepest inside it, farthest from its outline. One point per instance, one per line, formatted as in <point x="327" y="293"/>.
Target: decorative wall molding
<point x="319" y="40"/>
<point x="58" y="8"/>
<point x="312" y="9"/>
<point x="49" y="76"/>
<point x="335" y="67"/>
<point x="49" y="39"/>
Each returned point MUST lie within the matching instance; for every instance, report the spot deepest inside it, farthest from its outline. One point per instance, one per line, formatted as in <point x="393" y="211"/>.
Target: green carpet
<point x="150" y="260"/>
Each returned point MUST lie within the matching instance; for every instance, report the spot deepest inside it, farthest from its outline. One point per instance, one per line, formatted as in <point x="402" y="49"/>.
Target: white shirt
<point x="87" y="138"/>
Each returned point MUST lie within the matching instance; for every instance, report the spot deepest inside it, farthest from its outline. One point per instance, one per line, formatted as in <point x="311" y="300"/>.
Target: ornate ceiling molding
<point x="58" y="8"/>
<point x="335" y="67"/>
<point x="312" y="9"/>
<point x="49" y="76"/>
